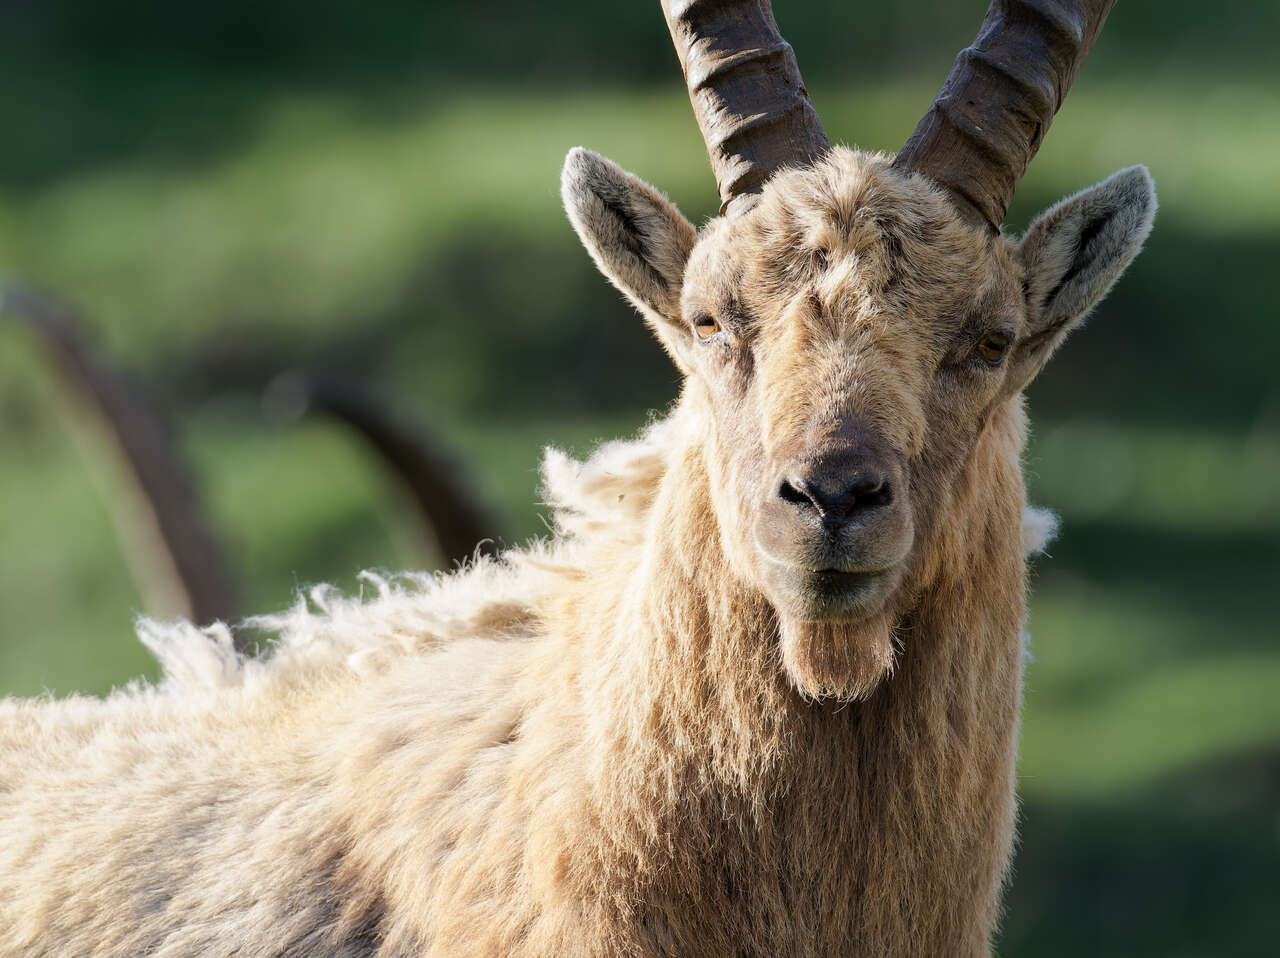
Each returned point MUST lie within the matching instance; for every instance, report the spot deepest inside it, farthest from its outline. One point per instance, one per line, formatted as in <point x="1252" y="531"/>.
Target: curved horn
<point x="987" y="122"/>
<point x="747" y="95"/>
<point x="176" y="559"/>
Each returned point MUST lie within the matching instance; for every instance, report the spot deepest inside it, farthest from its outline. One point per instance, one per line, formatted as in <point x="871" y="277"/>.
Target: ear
<point x="1072" y="254"/>
<point x="636" y="236"/>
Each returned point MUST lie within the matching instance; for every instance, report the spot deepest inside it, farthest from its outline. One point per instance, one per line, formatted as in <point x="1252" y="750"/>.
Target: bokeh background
<point x="370" y="192"/>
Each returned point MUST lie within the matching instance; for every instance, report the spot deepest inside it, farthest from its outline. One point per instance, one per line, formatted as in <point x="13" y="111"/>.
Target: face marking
<point x="851" y="287"/>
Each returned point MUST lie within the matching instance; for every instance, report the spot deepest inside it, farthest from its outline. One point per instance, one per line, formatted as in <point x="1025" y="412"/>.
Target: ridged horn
<point x="998" y="101"/>
<point x="177" y="561"/>
<point x="745" y="87"/>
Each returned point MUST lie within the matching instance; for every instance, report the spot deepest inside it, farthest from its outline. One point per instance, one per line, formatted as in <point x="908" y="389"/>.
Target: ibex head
<point x="852" y="322"/>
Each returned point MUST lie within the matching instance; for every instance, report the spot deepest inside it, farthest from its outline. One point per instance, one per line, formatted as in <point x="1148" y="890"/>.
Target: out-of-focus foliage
<point x="371" y="191"/>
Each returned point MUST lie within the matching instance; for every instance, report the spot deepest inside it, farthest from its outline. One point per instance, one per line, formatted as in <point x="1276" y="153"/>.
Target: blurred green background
<point x="370" y="192"/>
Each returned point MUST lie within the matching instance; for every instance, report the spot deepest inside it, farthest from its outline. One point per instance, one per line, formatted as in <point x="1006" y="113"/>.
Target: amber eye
<point x="705" y="327"/>
<point x="993" y="348"/>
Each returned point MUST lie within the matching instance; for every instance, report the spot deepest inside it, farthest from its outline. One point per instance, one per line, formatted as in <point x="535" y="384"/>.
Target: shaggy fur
<point x="616" y="743"/>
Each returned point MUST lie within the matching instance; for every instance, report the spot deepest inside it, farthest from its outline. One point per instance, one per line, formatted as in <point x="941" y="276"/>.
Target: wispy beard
<point x="839" y="660"/>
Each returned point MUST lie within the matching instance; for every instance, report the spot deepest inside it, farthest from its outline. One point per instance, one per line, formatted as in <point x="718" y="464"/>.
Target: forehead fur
<point x="858" y="236"/>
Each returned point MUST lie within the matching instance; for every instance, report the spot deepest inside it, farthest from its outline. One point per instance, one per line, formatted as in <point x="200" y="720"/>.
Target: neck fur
<point x="711" y="754"/>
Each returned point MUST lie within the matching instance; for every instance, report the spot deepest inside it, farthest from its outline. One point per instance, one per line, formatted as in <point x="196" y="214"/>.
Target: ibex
<point x="758" y="696"/>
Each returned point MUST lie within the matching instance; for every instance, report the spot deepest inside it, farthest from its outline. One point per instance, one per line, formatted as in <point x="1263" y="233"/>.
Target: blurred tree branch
<point x="178" y="563"/>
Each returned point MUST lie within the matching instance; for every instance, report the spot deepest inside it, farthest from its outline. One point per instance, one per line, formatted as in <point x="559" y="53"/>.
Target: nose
<point x="839" y="489"/>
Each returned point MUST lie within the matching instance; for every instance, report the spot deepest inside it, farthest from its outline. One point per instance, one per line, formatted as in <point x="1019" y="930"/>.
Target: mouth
<point x="830" y="581"/>
<point x="835" y="571"/>
<point x="832" y="592"/>
<point x="839" y="581"/>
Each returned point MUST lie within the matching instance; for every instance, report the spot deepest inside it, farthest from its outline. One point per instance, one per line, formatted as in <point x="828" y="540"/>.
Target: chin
<point x="836" y="628"/>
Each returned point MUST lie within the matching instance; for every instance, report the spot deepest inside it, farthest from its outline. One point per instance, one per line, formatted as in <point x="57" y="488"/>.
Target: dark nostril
<point x="866" y="486"/>
<point x="796" y="491"/>
<point x="870" y="491"/>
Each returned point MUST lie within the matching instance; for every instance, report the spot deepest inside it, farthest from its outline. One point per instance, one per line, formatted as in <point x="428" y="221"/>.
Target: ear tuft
<point x="1073" y="253"/>
<point x="1076" y="250"/>
<point x="635" y="235"/>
